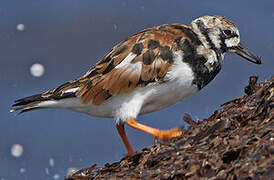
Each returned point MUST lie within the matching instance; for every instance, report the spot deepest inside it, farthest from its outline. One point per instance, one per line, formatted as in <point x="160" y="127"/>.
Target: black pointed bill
<point x="241" y="51"/>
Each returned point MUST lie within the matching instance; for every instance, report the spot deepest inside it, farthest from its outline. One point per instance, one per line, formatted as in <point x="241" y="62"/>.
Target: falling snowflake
<point x="37" y="70"/>
<point x="17" y="150"/>
<point x="20" y="27"/>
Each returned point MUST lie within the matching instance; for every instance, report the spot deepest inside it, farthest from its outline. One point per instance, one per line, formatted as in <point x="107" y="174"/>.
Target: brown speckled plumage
<point x="153" y="48"/>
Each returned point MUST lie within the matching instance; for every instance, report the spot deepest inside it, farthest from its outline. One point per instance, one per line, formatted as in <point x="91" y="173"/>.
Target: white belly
<point x="141" y="101"/>
<point x="165" y="96"/>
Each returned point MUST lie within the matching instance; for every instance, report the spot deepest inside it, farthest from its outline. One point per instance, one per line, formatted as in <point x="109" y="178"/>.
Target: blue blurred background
<point x="67" y="37"/>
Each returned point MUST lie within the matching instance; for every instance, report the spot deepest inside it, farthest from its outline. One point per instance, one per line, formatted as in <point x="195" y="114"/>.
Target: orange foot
<point x="164" y="135"/>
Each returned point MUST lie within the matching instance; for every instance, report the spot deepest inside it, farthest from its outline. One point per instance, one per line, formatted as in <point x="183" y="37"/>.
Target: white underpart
<point x="72" y="90"/>
<point x="232" y="42"/>
<point x="126" y="61"/>
<point x="142" y="100"/>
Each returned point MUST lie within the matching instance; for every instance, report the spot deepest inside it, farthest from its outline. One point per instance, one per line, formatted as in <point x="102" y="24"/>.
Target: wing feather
<point x="139" y="60"/>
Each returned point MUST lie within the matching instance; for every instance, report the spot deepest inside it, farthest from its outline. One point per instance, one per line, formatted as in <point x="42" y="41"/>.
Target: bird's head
<point x="220" y="34"/>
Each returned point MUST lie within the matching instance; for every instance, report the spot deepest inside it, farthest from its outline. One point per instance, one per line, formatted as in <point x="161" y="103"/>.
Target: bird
<point x="146" y="72"/>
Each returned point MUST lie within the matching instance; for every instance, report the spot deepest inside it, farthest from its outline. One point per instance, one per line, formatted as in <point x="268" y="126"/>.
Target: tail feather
<point x="29" y="99"/>
<point x="28" y="103"/>
<point x="47" y="98"/>
<point x="26" y="108"/>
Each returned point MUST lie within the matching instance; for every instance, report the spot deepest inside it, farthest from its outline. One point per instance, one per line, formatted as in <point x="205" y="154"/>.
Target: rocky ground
<point x="236" y="142"/>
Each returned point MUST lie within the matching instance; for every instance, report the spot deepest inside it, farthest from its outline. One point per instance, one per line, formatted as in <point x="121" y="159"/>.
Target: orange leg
<point x="121" y="131"/>
<point x="164" y="135"/>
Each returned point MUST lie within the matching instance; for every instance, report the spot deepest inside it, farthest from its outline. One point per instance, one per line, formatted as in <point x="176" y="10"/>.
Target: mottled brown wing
<point x="135" y="62"/>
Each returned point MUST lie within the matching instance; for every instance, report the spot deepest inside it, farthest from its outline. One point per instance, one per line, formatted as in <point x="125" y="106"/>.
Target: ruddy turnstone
<point x="146" y="72"/>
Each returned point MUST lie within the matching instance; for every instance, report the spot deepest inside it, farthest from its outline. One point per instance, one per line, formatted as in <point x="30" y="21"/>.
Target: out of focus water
<point x="67" y="37"/>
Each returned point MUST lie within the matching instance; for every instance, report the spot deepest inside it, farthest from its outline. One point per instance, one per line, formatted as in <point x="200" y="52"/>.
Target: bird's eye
<point x="227" y="32"/>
